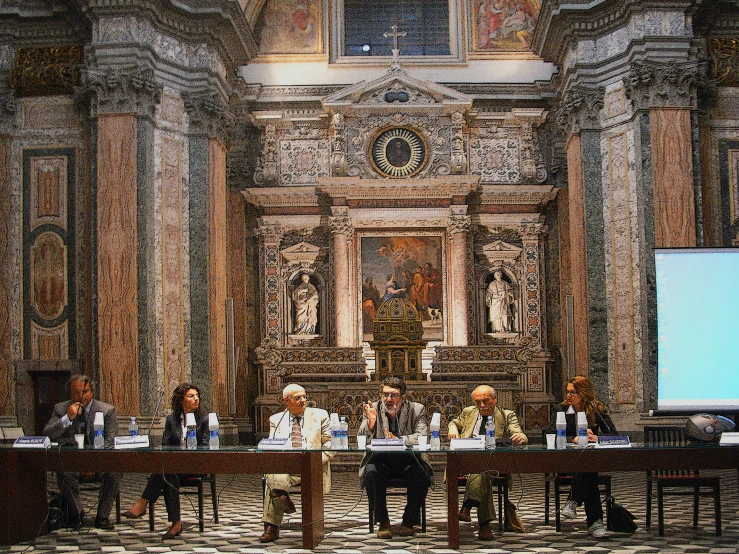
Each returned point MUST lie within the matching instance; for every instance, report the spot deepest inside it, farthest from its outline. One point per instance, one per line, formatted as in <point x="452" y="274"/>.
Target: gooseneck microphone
<point x="156" y="411"/>
<point x="278" y="424"/>
<point x="605" y="423"/>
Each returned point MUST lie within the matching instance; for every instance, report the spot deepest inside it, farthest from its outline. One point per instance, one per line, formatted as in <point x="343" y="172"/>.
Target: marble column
<point x="459" y="227"/>
<point x="341" y="236"/>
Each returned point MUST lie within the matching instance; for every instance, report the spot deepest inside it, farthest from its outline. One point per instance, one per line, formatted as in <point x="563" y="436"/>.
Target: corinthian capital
<point x="663" y="84"/>
<point x="459" y="224"/>
<point x="113" y="91"/>
<point x="209" y="115"/>
<point x="340" y="225"/>
<point x="580" y="109"/>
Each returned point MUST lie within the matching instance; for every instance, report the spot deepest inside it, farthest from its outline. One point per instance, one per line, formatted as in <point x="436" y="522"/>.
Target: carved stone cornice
<point x="209" y="115"/>
<point x="46" y="71"/>
<point x="663" y="84"/>
<point x="580" y="109"/>
<point x="279" y="197"/>
<point x="218" y="23"/>
<point x="112" y="91"/>
<point x="724" y="52"/>
<point x="354" y="188"/>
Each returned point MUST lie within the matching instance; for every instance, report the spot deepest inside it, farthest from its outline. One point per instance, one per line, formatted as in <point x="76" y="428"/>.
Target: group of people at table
<point x="393" y="416"/>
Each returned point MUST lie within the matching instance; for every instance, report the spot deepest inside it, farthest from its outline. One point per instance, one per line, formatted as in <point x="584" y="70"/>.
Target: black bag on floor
<point x="620" y="520"/>
<point x="60" y="516"/>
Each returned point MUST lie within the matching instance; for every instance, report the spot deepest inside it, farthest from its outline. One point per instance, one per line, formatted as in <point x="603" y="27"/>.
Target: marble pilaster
<point x="341" y="238"/>
<point x="459" y="227"/>
<point x="7" y="373"/>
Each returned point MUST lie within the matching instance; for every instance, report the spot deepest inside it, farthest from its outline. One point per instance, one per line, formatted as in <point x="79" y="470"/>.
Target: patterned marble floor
<point x="347" y="533"/>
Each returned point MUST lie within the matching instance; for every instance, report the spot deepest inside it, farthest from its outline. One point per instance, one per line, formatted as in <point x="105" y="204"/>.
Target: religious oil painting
<point x="291" y="27"/>
<point x="407" y="267"/>
<point x="503" y="25"/>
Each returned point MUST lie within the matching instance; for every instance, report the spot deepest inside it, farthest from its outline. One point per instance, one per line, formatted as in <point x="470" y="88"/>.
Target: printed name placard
<point x="614" y="441"/>
<point x="32" y="442"/>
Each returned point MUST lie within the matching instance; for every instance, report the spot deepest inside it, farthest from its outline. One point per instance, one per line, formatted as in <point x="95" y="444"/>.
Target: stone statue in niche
<point x="498" y="299"/>
<point x="305" y="307"/>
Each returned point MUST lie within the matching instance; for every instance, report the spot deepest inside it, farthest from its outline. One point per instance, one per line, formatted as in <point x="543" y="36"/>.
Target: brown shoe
<point x="464" y="514"/>
<point x="288" y="503"/>
<point x="383" y="532"/>
<point x="406" y="530"/>
<point x="271" y="533"/>
<point x="485" y="534"/>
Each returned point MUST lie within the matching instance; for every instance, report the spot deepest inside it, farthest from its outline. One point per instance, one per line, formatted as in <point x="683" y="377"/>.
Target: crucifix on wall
<point x="396" y="51"/>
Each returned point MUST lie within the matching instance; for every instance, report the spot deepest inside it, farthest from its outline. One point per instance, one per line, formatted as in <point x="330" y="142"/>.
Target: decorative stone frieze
<point x="339" y="166"/>
<point x="209" y="115"/>
<point x="580" y="109"/>
<point x="662" y="84"/>
<point x="120" y="92"/>
<point x="46" y="71"/>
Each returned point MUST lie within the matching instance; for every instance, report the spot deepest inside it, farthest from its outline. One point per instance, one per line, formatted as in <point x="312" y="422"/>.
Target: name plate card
<point x="387" y="444"/>
<point x="614" y="441"/>
<point x="472" y="443"/>
<point x="32" y="442"/>
<point x="125" y="442"/>
<point x="274" y="444"/>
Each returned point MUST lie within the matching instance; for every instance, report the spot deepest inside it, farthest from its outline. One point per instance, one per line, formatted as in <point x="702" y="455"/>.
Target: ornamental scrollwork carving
<point x="653" y="84"/>
<point x="266" y="170"/>
<point x="339" y="163"/>
<point x="580" y="109"/>
<point x="46" y="71"/>
<point x="268" y="354"/>
<point x="118" y="92"/>
<point x="724" y="54"/>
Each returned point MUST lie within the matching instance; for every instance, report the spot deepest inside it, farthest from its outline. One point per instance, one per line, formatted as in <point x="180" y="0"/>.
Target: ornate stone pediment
<point x="498" y="251"/>
<point x="397" y="91"/>
<point x="302" y="254"/>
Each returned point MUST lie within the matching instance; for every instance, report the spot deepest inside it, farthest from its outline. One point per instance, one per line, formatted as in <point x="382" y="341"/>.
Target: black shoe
<point x="103" y="523"/>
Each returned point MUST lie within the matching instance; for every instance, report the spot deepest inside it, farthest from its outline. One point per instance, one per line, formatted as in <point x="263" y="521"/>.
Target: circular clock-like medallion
<point x="398" y="152"/>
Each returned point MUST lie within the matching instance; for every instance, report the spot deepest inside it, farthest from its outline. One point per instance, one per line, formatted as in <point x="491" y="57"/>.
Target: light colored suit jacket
<point x="316" y="428"/>
<point x="506" y="423"/>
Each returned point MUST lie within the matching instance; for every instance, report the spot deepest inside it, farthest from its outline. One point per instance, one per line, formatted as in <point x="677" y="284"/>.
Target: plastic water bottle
<point x="344" y="433"/>
<point x="213" y="427"/>
<point x="99" y="431"/>
<point x="490" y="433"/>
<point x="133" y="427"/>
<point x="192" y="439"/>
<point x="435" y="440"/>
<point x="561" y="442"/>
<point x="336" y="442"/>
<point x="582" y="430"/>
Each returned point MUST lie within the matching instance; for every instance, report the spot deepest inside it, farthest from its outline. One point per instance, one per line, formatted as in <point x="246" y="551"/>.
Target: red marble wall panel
<point x="236" y="289"/>
<point x="49" y="343"/>
<point x="217" y="273"/>
<point x="172" y="268"/>
<point x="578" y="269"/>
<point x="49" y="276"/>
<point x="117" y="262"/>
<point x="672" y="170"/>
<point x="7" y="373"/>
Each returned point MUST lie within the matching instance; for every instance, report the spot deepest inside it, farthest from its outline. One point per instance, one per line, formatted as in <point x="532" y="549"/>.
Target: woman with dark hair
<point x="581" y="398"/>
<point x="185" y="400"/>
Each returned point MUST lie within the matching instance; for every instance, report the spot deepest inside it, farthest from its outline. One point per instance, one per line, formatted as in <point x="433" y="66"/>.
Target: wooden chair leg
<point x="557" y="501"/>
<point x="660" y="509"/>
<point x="201" y="514"/>
<point x="546" y="499"/>
<point x="214" y="497"/>
<point x="717" y="506"/>
<point x="649" y="502"/>
<point x="151" y="516"/>
<point x="371" y="504"/>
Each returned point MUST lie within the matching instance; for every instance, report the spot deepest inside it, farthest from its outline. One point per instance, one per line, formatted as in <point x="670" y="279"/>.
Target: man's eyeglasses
<point x="392" y="395"/>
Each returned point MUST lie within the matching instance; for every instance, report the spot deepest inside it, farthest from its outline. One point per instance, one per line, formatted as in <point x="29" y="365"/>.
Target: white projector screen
<point x="697" y="329"/>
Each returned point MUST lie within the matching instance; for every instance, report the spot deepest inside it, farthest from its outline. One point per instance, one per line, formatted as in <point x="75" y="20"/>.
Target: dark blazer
<point x="603" y="423"/>
<point x="411" y="423"/>
<point x="56" y="431"/>
<point x="173" y="431"/>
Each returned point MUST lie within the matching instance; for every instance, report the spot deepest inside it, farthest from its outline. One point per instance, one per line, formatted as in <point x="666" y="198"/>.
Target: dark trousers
<point x="585" y="491"/>
<point x="169" y="486"/>
<point x="383" y="467"/>
<point x="69" y="485"/>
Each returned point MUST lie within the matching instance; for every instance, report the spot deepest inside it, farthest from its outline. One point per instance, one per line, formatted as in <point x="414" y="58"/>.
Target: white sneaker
<point x="597" y="530"/>
<point x="570" y="510"/>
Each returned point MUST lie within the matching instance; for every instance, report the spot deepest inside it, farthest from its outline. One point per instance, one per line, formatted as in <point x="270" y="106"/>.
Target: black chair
<point x="501" y="483"/>
<point x="395" y="487"/>
<point x="194" y="485"/>
<point x="562" y="486"/>
<point x="675" y="482"/>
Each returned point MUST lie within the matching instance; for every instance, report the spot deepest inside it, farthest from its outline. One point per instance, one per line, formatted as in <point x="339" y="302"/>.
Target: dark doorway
<point x="48" y="389"/>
